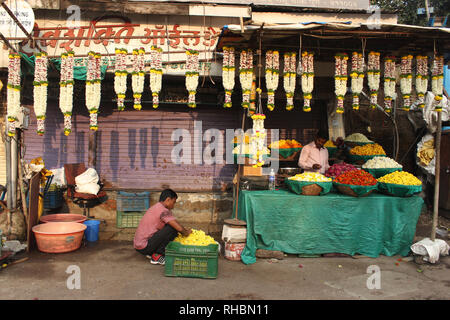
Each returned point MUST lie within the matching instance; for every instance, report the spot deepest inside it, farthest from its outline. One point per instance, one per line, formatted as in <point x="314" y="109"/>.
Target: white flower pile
<point x="381" y="162"/>
<point x="357" y="137"/>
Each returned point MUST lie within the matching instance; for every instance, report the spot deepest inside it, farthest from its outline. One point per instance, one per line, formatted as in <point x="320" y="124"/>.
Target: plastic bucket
<point x="91" y="232"/>
<point x="57" y="237"/>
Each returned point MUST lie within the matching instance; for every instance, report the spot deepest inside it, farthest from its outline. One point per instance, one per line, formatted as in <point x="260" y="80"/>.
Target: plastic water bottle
<point x="272" y="180"/>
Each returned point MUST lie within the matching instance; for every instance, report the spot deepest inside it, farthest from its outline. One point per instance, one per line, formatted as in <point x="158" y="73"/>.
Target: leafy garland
<point x="40" y="85"/>
<point x="272" y="76"/>
<point x="138" y="76"/>
<point x="307" y="79"/>
<point x="120" y="77"/>
<point x="340" y="80"/>
<point x="93" y="88"/>
<point x="66" y="89"/>
<point x="389" y="82"/>
<point x="13" y="92"/>
<point x="289" y="78"/>
<point x="156" y="72"/>
<point x="357" y="76"/>
<point x="373" y="77"/>
<point x="192" y="74"/>
<point x="246" y="75"/>
<point x="406" y="80"/>
<point x="258" y="138"/>
<point x="422" y="79"/>
<point x="228" y="72"/>
<point x="437" y="81"/>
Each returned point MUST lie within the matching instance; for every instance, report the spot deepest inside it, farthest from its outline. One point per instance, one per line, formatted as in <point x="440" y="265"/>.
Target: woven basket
<point x="348" y="191"/>
<point x="312" y="190"/>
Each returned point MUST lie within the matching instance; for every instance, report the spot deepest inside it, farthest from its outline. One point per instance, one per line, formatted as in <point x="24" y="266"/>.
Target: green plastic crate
<point x="128" y="219"/>
<point x="191" y="261"/>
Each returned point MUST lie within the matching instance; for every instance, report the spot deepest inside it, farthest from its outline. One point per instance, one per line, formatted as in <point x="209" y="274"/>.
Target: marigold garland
<point x="93" y="88"/>
<point x="272" y="76"/>
<point x="437" y="81"/>
<point x="156" y="72"/>
<point x="307" y="79"/>
<point x="289" y="78"/>
<point x="40" y="85"/>
<point x="120" y="77"/>
<point x="373" y="77"/>
<point x="340" y="80"/>
<point x="357" y="77"/>
<point x="389" y="82"/>
<point x="228" y="72"/>
<point x="138" y="76"/>
<point x="406" y="80"/>
<point x="192" y="75"/>
<point x="66" y="89"/>
<point x="422" y="79"/>
<point x="13" y="92"/>
<point x="246" y="75"/>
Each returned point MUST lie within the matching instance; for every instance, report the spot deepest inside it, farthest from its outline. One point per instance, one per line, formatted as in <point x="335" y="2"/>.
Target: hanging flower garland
<point x="192" y="74"/>
<point x="406" y="81"/>
<point x="138" y="76"/>
<point x="389" y="82"/>
<point x="357" y="76"/>
<point x="246" y="75"/>
<point x="93" y="87"/>
<point x="40" y="85"/>
<point x="120" y="77"/>
<point x="272" y="76"/>
<point x="228" y="71"/>
<point x="437" y="81"/>
<point x="252" y="106"/>
<point x="156" y="72"/>
<point x="340" y="80"/>
<point x="422" y="79"/>
<point x="307" y="79"/>
<point x="258" y="139"/>
<point x="373" y="77"/>
<point x="66" y="89"/>
<point x="13" y="92"/>
<point x="289" y="78"/>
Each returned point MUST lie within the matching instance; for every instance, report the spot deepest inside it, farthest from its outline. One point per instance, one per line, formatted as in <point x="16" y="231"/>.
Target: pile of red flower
<point x="339" y="168"/>
<point x="356" y="177"/>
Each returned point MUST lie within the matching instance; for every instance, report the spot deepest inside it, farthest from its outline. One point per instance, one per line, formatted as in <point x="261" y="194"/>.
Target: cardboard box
<point x="250" y="171"/>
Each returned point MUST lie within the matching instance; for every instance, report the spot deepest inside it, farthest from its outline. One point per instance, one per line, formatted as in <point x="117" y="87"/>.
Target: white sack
<point x="89" y="176"/>
<point x="431" y="250"/>
<point x="91" y="188"/>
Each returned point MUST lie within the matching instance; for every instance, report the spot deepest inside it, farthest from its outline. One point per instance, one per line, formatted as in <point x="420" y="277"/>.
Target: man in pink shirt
<point x="158" y="227"/>
<point x="314" y="157"/>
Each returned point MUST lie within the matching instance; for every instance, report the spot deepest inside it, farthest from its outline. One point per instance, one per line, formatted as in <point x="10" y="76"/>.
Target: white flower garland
<point x="389" y="82"/>
<point x="289" y="78"/>
<point x="66" y="90"/>
<point x="120" y="77"/>
<point x="357" y="76"/>
<point x="373" y="77"/>
<point x="437" y="81"/>
<point x="246" y="75"/>
<point x="272" y="76"/>
<point x="307" y="79"/>
<point x="422" y="79"/>
<point x="192" y="75"/>
<point x="93" y="87"/>
<point x="258" y="138"/>
<point x="156" y="73"/>
<point x="138" y="76"/>
<point x="406" y="81"/>
<point x="340" y="80"/>
<point x="40" y="85"/>
<point x="13" y="92"/>
<point x="228" y="72"/>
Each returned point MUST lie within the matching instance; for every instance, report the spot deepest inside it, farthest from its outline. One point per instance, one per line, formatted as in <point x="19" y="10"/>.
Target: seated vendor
<point x="314" y="157"/>
<point x="158" y="227"/>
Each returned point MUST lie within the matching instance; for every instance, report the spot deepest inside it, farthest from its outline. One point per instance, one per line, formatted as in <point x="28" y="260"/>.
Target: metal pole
<point x="436" y="177"/>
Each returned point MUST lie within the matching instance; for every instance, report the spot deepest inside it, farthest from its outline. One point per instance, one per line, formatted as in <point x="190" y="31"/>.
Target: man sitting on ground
<point x="158" y="227"/>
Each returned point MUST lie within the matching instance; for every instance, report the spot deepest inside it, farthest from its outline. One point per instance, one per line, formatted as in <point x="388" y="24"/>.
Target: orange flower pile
<point x="285" y="144"/>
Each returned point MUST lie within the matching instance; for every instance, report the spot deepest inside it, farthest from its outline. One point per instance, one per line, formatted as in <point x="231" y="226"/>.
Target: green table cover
<point x="380" y="172"/>
<point x="287" y="152"/>
<point x="333" y="223"/>
<point x="296" y="186"/>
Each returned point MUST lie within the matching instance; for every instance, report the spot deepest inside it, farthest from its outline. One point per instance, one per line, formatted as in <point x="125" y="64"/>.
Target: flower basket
<point x="331" y="151"/>
<point x="354" y="158"/>
<point x="379" y="172"/>
<point x="354" y="190"/>
<point x="398" y="190"/>
<point x="308" y="188"/>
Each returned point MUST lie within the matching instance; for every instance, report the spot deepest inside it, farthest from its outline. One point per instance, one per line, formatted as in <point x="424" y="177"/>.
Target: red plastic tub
<point x="57" y="237"/>
<point x="63" y="217"/>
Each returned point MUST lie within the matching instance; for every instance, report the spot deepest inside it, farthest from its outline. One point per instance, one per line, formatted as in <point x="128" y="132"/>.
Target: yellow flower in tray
<point x="329" y="144"/>
<point x="401" y="177"/>
<point x="196" y="238"/>
<point x="310" y="177"/>
<point x="368" y="150"/>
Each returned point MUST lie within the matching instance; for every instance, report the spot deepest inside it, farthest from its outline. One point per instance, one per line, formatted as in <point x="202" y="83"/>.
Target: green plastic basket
<point x="128" y="219"/>
<point x="191" y="261"/>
